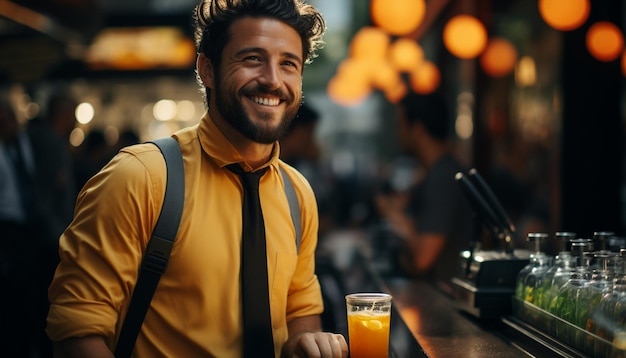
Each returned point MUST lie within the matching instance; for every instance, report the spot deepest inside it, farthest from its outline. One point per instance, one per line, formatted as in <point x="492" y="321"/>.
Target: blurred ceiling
<point x="49" y="38"/>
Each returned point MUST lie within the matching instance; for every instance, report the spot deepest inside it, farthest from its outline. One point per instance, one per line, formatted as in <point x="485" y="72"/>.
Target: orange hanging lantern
<point x="351" y="84"/>
<point x="345" y="93"/>
<point x="369" y="43"/>
<point x="499" y="57"/>
<point x="398" y="17"/>
<point x="405" y="54"/>
<point x="564" y="15"/>
<point x="605" y="41"/>
<point x="425" y="79"/>
<point x="396" y="93"/>
<point x="384" y="75"/>
<point x="465" y="36"/>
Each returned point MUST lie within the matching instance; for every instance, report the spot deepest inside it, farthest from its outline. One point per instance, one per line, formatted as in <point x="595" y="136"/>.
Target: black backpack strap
<point x="158" y="249"/>
<point x="294" y="207"/>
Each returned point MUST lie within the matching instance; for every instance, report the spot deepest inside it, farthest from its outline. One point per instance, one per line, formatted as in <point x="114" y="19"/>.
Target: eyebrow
<point x="248" y="50"/>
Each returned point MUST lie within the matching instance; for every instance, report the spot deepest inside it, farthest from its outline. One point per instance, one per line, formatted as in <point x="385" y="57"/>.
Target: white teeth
<point x="266" y="101"/>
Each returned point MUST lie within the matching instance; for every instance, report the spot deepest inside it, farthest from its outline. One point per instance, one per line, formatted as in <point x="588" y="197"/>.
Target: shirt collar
<point x="217" y="146"/>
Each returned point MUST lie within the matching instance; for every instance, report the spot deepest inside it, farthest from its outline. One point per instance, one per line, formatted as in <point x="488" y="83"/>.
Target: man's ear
<point x="206" y="71"/>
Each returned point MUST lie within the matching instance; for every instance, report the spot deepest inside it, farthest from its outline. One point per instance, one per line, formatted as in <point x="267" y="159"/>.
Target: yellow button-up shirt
<point x="196" y="309"/>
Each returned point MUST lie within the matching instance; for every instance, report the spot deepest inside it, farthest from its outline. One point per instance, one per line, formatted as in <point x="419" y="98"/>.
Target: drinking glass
<point x="369" y="316"/>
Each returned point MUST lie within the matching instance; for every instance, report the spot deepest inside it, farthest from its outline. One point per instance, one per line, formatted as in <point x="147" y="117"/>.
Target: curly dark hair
<point x="212" y="20"/>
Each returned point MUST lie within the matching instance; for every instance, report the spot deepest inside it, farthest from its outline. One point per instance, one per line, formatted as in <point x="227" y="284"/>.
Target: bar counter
<point x="427" y="322"/>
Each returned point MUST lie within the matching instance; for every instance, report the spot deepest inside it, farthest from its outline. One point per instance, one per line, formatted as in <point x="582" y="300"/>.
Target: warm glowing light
<point x="396" y="93"/>
<point x="77" y="136"/>
<point x="84" y="113"/>
<point x="398" y="17"/>
<point x="141" y="48"/>
<point x="384" y="76"/>
<point x="499" y="57"/>
<point x="425" y="79"/>
<point x="405" y="54"/>
<point x="564" y="15"/>
<point x="463" y="126"/>
<point x="369" y="43"/>
<point x="356" y="70"/>
<point x="624" y="63"/>
<point x="465" y="36"/>
<point x="525" y="72"/>
<point x="351" y="84"/>
<point x="186" y="110"/>
<point x="605" y="41"/>
<point x="346" y="93"/>
<point x="164" y="110"/>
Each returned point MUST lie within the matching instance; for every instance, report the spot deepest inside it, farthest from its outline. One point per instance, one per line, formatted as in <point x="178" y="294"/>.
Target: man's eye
<point x="253" y="58"/>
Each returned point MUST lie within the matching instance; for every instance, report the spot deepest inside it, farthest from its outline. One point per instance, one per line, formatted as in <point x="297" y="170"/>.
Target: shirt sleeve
<point x="101" y="250"/>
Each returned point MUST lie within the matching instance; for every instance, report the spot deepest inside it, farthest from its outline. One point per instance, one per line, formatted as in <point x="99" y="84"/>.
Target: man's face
<point x="258" y="86"/>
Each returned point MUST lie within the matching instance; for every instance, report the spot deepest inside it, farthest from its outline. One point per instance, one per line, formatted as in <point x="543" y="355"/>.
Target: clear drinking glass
<point x="369" y="317"/>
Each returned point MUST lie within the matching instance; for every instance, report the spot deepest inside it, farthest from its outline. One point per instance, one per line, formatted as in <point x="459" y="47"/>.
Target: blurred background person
<point x="91" y="156"/>
<point x="300" y="149"/>
<point x="434" y="222"/>
<point x="127" y="137"/>
<point x="56" y="190"/>
<point x="18" y="228"/>
<point x="55" y="182"/>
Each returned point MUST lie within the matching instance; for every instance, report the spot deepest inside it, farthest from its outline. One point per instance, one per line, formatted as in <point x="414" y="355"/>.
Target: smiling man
<point x="251" y="56"/>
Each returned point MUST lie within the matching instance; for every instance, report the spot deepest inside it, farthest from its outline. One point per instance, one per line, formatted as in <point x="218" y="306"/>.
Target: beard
<point x="232" y="110"/>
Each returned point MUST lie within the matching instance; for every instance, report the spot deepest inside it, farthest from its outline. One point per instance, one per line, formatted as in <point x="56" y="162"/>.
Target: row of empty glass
<point x="579" y="295"/>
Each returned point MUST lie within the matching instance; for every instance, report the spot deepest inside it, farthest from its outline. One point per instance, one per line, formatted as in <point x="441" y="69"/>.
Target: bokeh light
<point x="526" y="72"/>
<point x="351" y="84"/>
<point x="405" y="54"/>
<point x="369" y="43"/>
<point x="346" y="93"/>
<point x="465" y="36"/>
<point x="77" y="137"/>
<point x="398" y="17"/>
<point x="605" y="41"/>
<point x="425" y="79"/>
<point x="384" y="76"/>
<point x="84" y="112"/>
<point x="499" y="57"/>
<point x="396" y="93"/>
<point x="164" y="110"/>
<point x="564" y="15"/>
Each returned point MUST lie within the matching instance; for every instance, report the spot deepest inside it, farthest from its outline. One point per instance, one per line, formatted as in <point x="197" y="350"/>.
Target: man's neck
<point x="254" y="154"/>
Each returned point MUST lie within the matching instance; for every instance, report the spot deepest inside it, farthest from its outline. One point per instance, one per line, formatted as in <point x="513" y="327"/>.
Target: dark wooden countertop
<point x="441" y="328"/>
<point x="426" y="322"/>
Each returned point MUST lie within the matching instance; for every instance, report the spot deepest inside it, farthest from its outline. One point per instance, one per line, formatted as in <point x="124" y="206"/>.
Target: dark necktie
<point x="257" y="323"/>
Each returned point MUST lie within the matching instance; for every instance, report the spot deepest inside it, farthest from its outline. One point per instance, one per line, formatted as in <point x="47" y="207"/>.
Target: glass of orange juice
<point x="369" y="315"/>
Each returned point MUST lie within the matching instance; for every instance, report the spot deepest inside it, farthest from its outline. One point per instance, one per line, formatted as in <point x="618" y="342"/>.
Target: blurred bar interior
<point x="536" y="92"/>
<point x="531" y="98"/>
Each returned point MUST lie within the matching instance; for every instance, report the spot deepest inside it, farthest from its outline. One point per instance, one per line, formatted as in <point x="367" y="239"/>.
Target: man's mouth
<point x="265" y="101"/>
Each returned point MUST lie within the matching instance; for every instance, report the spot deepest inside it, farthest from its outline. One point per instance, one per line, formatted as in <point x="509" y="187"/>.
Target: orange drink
<point x="369" y="316"/>
<point x="368" y="334"/>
